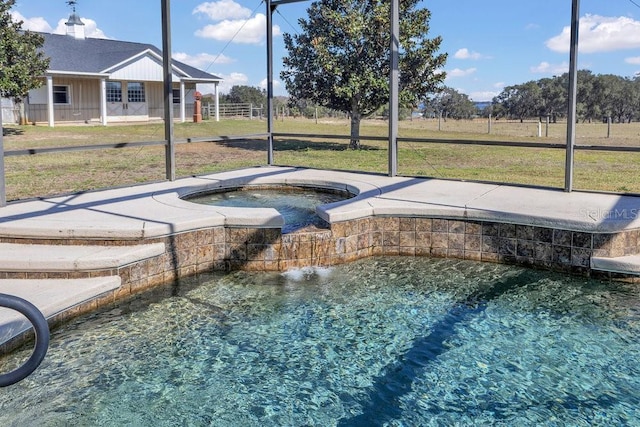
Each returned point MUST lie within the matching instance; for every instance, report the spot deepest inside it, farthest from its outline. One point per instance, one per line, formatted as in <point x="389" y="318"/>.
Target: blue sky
<point x="491" y="44"/>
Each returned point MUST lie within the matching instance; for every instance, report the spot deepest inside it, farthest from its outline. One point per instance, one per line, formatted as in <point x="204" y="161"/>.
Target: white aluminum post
<point x="50" y="111"/>
<point x="103" y="101"/>
<point x="215" y="89"/>
<point x="183" y="102"/>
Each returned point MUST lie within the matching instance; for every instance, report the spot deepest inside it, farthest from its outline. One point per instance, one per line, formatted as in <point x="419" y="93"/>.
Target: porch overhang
<point x="54" y="73"/>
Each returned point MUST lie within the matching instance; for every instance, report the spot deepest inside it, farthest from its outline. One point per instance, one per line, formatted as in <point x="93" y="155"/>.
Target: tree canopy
<point x="602" y="95"/>
<point x="450" y="104"/>
<point x="22" y="62"/>
<point x="241" y="94"/>
<point x="341" y="57"/>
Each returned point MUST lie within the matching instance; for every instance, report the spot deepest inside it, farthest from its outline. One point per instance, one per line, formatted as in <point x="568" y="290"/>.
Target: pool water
<point x="296" y="205"/>
<point x="379" y="342"/>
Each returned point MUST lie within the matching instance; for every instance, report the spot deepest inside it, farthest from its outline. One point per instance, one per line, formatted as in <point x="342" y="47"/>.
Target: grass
<point x="62" y="173"/>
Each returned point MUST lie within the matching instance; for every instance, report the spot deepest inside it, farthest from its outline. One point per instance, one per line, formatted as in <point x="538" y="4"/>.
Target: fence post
<point x="547" y="128"/>
<point x="539" y="128"/>
<point x="251" y="111"/>
<point x="489" y="130"/>
<point x="609" y="127"/>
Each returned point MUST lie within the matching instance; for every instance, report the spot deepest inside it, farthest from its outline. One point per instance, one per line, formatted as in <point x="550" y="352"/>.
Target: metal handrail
<point x="41" y="329"/>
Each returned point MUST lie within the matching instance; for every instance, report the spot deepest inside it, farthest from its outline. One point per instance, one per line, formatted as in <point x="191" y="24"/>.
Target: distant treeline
<point x="599" y="97"/>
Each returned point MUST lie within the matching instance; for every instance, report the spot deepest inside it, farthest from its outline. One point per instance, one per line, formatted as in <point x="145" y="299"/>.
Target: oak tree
<point x="22" y="62"/>
<point x="341" y="57"/>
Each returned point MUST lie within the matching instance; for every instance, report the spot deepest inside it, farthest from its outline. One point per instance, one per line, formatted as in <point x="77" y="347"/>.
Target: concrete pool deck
<point x="148" y="235"/>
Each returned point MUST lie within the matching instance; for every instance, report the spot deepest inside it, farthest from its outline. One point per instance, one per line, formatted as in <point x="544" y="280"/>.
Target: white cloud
<point x="464" y="53"/>
<point x="635" y="60"/>
<point x="40" y="24"/>
<point x="457" y="72"/>
<point x="90" y="28"/>
<point x="547" y="68"/>
<point x="206" y="89"/>
<point x="600" y="34"/>
<point x="499" y="85"/>
<point x="231" y="80"/>
<point x="32" y="24"/>
<point x="483" y="96"/>
<point x="253" y="30"/>
<point x="202" y="60"/>
<point x="276" y="84"/>
<point x="221" y="10"/>
<point x="232" y="22"/>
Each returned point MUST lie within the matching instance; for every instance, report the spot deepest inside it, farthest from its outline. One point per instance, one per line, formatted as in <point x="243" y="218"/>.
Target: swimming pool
<point x="381" y="341"/>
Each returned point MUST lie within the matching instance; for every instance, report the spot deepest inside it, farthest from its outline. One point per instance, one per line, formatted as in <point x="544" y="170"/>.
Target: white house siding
<point x="144" y="69"/>
<point x="84" y="101"/>
<point x="9" y="111"/>
<point x="155" y="100"/>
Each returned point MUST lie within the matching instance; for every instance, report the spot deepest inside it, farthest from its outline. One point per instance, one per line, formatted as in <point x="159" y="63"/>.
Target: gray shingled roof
<point x="97" y="55"/>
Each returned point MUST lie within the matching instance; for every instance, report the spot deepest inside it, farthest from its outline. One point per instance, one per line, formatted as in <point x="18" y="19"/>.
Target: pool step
<point x="16" y="257"/>
<point x="51" y="296"/>
<point x="59" y="278"/>
<point x="629" y="264"/>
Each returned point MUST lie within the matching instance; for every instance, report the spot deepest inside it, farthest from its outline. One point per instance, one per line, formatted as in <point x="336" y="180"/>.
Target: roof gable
<point x="145" y="66"/>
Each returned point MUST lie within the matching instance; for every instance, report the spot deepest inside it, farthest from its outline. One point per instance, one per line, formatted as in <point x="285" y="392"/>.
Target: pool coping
<point x="155" y="210"/>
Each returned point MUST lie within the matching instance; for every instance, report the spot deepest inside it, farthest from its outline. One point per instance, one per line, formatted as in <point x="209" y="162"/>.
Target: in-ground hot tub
<point x="296" y="203"/>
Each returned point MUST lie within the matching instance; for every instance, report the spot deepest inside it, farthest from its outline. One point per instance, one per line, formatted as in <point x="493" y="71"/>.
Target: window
<point x="61" y="95"/>
<point x="135" y="92"/>
<point x="114" y="92"/>
<point x="176" y="96"/>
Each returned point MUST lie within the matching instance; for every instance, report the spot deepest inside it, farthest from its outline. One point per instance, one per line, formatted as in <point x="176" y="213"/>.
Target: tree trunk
<point x="354" y="143"/>
<point x="22" y="116"/>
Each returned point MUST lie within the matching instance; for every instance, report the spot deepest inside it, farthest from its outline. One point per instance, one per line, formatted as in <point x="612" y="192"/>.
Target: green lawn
<point x="59" y="173"/>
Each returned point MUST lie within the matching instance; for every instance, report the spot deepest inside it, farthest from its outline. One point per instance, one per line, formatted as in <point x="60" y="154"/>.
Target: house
<point x="102" y="81"/>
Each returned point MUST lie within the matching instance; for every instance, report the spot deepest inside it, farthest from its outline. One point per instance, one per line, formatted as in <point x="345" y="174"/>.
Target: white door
<point x="115" y="106"/>
<point x="136" y="105"/>
<point x="126" y="102"/>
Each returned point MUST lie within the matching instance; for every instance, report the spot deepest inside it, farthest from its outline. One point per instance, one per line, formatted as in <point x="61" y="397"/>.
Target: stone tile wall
<point x="562" y="250"/>
<point x="222" y="248"/>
